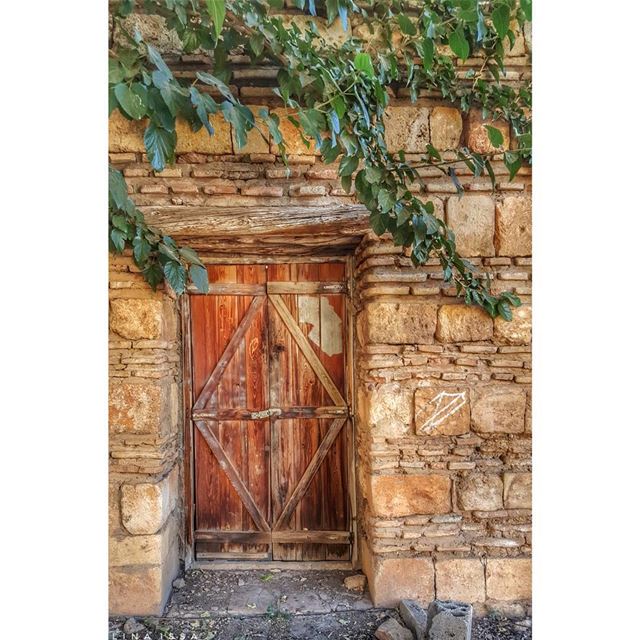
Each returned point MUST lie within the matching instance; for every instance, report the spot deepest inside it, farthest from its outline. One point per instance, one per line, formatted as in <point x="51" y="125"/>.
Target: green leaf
<point x="347" y="165"/>
<point x="118" y="239"/>
<point x="504" y="310"/>
<point x="160" y="145"/>
<point x="500" y="18"/>
<point x="199" y="277"/>
<point x="459" y="44"/>
<point x="525" y="5"/>
<point x="495" y="136"/>
<point x="386" y="200"/>
<point x="132" y="99"/>
<point x="216" y="10"/>
<point x="190" y="255"/>
<point x="378" y="223"/>
<point x="176" y="275"/>
<point x="406" y="25"/>
<point x="362" y="62"/>
<point x="141" y="250"/>
<point x="118" y="193"/>
<point x="427" y="53"/>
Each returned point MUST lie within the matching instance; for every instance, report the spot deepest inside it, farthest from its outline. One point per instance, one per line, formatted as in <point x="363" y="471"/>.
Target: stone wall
<point x="145" y="512"/>
<point x="443" y="391"/>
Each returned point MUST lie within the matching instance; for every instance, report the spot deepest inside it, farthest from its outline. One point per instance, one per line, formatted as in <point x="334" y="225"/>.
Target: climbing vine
<point x="338" y="95"/>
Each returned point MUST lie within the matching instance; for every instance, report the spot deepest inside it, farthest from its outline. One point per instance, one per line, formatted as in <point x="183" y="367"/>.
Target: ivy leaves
<point x="338" y="95"/>
<point x="157" y="256"/>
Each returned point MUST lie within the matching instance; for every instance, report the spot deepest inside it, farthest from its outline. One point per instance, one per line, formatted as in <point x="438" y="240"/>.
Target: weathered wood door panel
<point x="271" y="439"/>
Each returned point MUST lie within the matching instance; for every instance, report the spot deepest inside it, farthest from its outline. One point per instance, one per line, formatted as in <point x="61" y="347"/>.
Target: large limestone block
<point x="446" y="128"/>
<point x="125" y="135"/>
<point x="407" y="128"/>
<point x="139" y="407"/>
<point x="146" y="506"/>
<point x="477" y="136"/>
<point x="386" y="410"/>
<point x="472" y="219"/>
<point x="144" y="589"/>
<point x="442" y="411"/>
<point x="136" y="319"/>
<point x="463" y="323"/>
<point x="394" y="579"/>
<point x="143" y="549"/>
<point x="460" y="579"/>
<point x="498" y="409"/>
<point x="394" y="496"/>
<point x="514" y="331"/>
<point x="517" y="490"/>
<point x="293" y="137"/>
<point x="479" y="492"/>
<point x="513" y="226"/>
<point x="411" y="322"/>
<point x="115" y="524"/>
<point x="219" y="143"/>
<point x="509" y="579"/>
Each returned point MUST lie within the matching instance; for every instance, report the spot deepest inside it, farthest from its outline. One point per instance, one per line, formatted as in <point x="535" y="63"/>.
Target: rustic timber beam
<point x="255" y="221"/>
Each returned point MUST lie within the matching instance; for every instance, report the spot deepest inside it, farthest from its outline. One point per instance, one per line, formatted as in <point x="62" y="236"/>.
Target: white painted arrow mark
<point x="446" y="404"/>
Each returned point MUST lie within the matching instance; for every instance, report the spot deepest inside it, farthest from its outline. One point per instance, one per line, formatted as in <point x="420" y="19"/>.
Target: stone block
<point x="125" y="135"/>
<point x="513" y="226"/>
<point x="446" y="128"/>
<point x="414" y="617"/>
<point x="142" y="590"/>
<point x="200" y="141"/>
<point x="472" y="219"/>
<point x="129" y="550"/>
<point x="479" y="492"/>
<point x="516" y="331"/>
<point x="449" y="620"/>
<point x="139" y="408"/>
<point x="477" y="136"/>
<point x="292" y="136"/>
<point x="256" y="143"/>
<point x="136" y="319"/>
<point x="394" y="579"/>
<point x="442" y="411"/>
<point x="154" y="31"/>
<point x="460" y="579"/>
<point x="411" y="322"/>
<point x="386" y="409"/>
<point x="406" y="128"/>
<point x="146" y="506"/>
<point x="463" y="323"/>
<point x="498" y="409"/>
<point x="509" y="578"/>
<point x="391" y="629"/>
<point x="115" y="525"/>
<point x="333" y="33"/>
<point x="517" y="490"/>
<point x="406" y="495"/>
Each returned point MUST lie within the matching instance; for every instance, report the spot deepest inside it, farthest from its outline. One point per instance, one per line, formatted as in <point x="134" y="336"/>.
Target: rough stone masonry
<point x="443" y="398"/>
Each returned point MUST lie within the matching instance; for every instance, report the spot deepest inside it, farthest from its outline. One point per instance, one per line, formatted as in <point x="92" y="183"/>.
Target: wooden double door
<point x="272" y="450"/>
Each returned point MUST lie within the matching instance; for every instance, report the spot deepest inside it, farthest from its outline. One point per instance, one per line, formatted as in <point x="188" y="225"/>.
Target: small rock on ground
<point x="179" y="583"/>
<point x="355" y="583"/>
<point x="393" y="630"/>
<point x="133" y="626"/>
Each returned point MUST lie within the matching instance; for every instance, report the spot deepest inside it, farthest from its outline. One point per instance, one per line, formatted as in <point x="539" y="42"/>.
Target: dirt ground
<point x="277" y="605"/>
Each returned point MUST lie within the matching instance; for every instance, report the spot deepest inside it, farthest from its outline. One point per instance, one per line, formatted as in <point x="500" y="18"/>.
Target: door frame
<point x="184" y="307"/>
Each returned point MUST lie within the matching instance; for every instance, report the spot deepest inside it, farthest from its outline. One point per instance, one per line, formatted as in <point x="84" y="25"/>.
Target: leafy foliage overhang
<point x="338" y="94"/>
